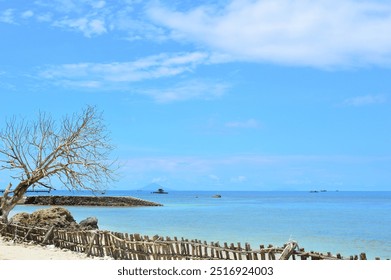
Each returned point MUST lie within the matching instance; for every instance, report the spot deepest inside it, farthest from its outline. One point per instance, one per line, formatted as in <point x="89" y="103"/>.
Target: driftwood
<point x="288" y="250"/>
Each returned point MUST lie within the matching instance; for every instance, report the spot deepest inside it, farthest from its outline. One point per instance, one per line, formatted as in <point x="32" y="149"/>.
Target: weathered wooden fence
<point x="125" y="246"/>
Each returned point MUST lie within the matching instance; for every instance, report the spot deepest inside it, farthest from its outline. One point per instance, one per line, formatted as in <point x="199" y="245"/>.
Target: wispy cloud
<point x="70" y="6"/>
<point x="250" y="123"/>
<point x="365" y="100"/>
<point x="3" y="83"/>
<point x="98" y="4"/>
<point x="7" y="16"/>
<point x="89" y="27"/>
<point x="191" y="89"/>
<point x="256" y="170"/>
<point x="90" y="18"/>
<point x="311" y="33"/>
<point x="207" y="164"/>
<point x="323" y="34"/>
<point x="27" y="14"/>
<point x="119" y="75"/>
<point x="44" y="17"/>
<point x="199" y="164"/>
<point x="110" y="74"/>
<point x="238" y="179"/>
<point x="326" y="33"/>
<point x="134" y="25"/>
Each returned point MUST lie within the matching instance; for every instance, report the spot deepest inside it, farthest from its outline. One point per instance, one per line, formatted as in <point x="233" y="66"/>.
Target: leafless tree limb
<point x="76" y="151"/>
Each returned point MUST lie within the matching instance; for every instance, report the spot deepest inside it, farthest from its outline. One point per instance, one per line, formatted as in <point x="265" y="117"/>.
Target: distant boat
<point x="318" y="191"/>
<point x="160" y="191"/>
<point x="217" y="196"/>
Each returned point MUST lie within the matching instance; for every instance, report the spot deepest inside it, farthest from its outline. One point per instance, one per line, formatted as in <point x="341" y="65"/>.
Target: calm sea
<point x="338" y="222"/>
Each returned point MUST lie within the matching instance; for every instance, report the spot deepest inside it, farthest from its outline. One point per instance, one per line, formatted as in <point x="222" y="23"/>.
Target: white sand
<point x="17" y="251"/>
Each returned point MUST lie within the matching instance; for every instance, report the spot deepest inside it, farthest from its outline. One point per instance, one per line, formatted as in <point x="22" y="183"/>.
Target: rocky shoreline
<point x="111" y="201"/>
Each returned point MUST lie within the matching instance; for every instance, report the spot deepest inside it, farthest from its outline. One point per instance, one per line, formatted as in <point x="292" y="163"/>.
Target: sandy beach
<point x="24" y="251"/>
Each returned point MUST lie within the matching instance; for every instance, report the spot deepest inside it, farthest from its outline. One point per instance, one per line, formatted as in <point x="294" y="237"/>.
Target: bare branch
<point x="76" y="152"/>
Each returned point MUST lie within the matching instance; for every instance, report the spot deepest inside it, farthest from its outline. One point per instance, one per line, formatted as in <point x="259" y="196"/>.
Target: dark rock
<point x="89" y="201"/>
<point x="89" y="223"/>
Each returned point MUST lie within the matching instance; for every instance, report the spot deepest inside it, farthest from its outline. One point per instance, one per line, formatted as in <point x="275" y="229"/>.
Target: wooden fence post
<point x="271" y="255"/>
<point x="48" y="234"/>
<point x="178" y="248"/>
<point x="134" y="246"/>
<point x="89" y="251"/>
<point x="28" y="233"/>
<point x="248" y="250"/>
<point x="262" y="248"/>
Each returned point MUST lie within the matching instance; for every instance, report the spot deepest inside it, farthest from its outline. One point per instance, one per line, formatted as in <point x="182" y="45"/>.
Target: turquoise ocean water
<point x="338" y="222"/>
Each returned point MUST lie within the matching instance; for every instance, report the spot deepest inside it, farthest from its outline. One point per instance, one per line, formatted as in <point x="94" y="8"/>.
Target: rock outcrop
<point x="54" y="216"/>
<point x="89" y="201"/>
<point x="89" y="223"/>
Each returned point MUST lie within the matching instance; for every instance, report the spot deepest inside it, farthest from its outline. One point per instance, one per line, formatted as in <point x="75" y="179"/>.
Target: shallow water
<point x="338" y="222"/>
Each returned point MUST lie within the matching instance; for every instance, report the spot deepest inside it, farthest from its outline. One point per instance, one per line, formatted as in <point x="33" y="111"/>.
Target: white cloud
<point x="27" y="14"/>
<point x="89" y="27"/>
<point x="116" y="74"/>
<point x="119" y="75"/>
<point x="88" y="16"/>
<point x="238" y="179"/>
<point x="324" y="33"/>
<point x="97" y="26"/>
<point x="7" y="16"/>
<point x="194" y="89"/>
<point x="137" y="29"/>
<point x="63" y="6"/>
<point x="86" y="84"/>
<point x="45" y="17"/>
<point x="98" y="4"/>
<point x="250" y="123"/>
<point x="94" y="18"/>
<point x="365" y="100"/>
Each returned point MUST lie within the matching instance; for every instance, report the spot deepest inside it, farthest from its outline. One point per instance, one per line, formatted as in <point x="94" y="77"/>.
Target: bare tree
<point x="74" y="152"/>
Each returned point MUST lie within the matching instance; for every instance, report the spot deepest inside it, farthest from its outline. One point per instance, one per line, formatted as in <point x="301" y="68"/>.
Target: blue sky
<point x="214" y="95"/>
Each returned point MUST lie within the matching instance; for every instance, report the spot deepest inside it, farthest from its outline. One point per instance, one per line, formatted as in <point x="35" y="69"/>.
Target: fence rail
<point x="124" y="246"/>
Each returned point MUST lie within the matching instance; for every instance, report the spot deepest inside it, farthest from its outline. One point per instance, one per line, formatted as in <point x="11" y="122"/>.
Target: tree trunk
<point x="5" y="210"/>
<point x="8" y="203"/>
